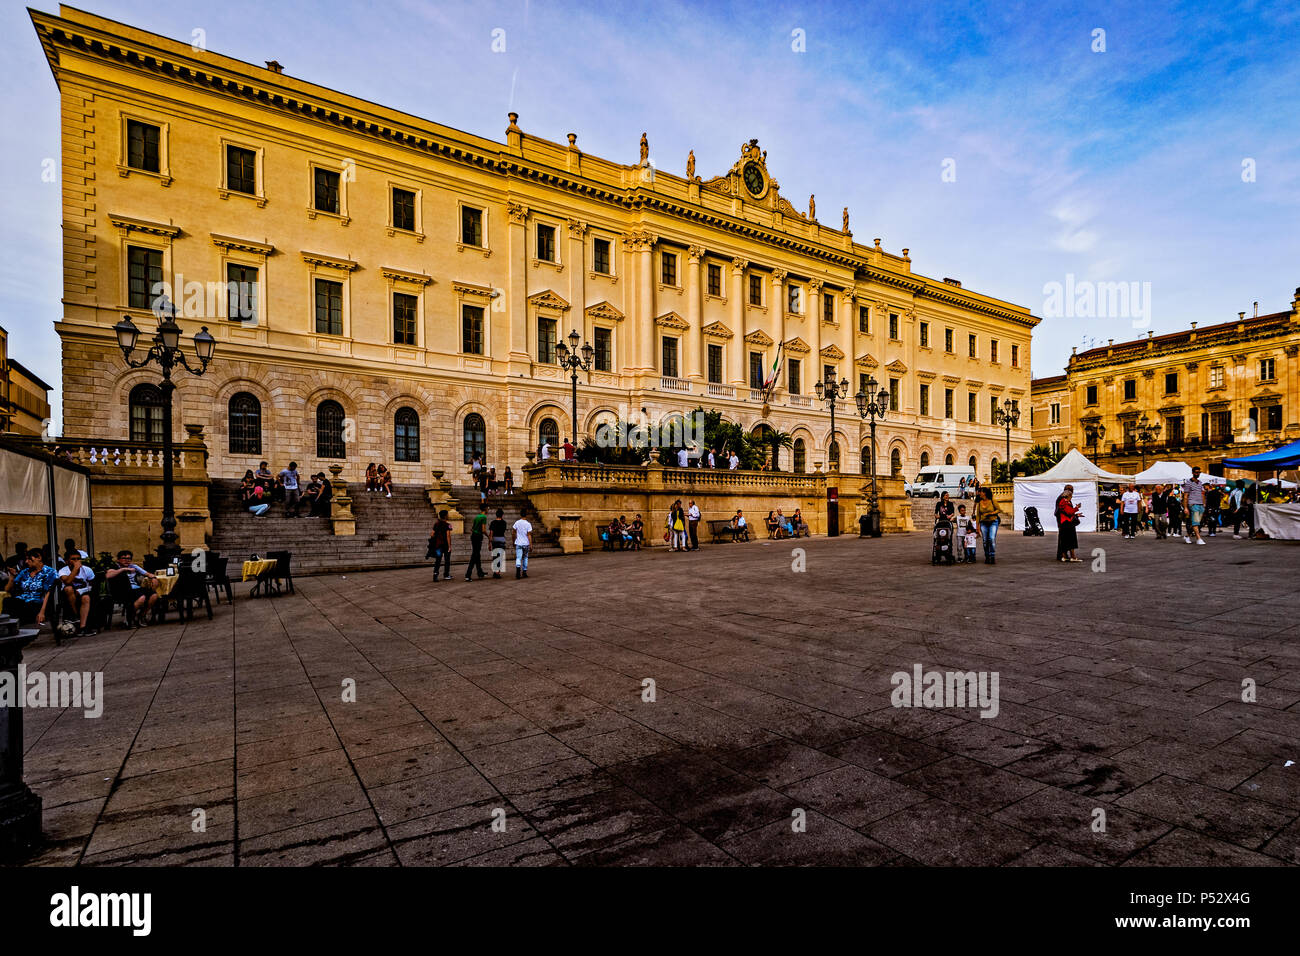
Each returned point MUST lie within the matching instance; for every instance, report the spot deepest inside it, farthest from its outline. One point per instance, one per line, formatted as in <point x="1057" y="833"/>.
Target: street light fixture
<point x="1146" y="432"/>
<point x="1008" y="416"/>
<point x="575" y="360"/>
<point x="166" y="353"/>
<point x="1093" y="434"/>
<point x="832" y="391"/>
<point x="872" y="405"/>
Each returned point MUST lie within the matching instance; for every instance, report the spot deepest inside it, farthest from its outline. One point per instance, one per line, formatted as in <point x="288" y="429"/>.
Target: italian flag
<point x="772" y="379"/>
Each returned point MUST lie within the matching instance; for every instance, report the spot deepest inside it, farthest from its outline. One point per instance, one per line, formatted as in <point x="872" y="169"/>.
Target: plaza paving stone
<point x="1120" y="691"/>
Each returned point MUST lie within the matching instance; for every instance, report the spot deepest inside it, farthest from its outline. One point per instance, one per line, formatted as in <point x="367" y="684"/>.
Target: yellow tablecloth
<point x="254" y="568"/>
<point x="165" y="584"/>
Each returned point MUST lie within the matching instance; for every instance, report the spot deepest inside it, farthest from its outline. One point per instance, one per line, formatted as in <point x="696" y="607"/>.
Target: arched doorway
<point x="896" y="462"/>
<point x="925" y="459"/>
<point x="800" y="456"/>
<point x="548" y="433"/>
<point x="329" y="430"/>
<point x="475" y="440"/>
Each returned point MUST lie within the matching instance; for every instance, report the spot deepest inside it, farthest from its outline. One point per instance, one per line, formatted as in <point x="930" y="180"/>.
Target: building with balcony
<point x="24" y="395"/>
<point x="385" y="288"/>
<point x="1199" y="395"/>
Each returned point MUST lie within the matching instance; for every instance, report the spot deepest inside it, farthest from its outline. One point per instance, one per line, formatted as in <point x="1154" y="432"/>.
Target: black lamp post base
<point x="20" y="823"/>
<point x="873" y="523"/>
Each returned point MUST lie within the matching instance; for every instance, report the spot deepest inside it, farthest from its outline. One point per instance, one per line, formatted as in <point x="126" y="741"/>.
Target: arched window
<point x="949" y="460"/>
<point x="329" y="430"/>
<point x="406" y="435"/>
<point x="244" y="424"/>
<point x="974" y="463"/>
<point x="548" y="433"/>
<point x="866" y="459"/>
<point x="475" y="437"/>
<point x="800" y="456"/>
<point x="834" y="455"/>
<point x="993" y="468"/>
<point x="146" y="403"/>
<point x="896" y="462"/>
<point x="764" y="434"/>
<point x="925" y="459"/>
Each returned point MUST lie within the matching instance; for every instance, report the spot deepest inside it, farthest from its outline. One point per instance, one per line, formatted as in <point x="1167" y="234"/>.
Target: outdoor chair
<point x="218" y="576"/>
<point x="119" y="593"/>
<point x="282" y="575"/>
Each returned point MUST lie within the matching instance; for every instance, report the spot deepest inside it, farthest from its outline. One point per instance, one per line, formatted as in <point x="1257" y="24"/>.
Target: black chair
<point x="191" y="589"/>
<point x="218" y="576"/>
<point x="119" y="593"/>
<point x="282" y="574"/>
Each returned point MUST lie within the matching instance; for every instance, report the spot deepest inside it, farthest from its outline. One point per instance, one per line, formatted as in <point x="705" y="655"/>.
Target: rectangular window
<point x="715" y="364"/>
<point x="828" y="373"/>
<point x="144" y="272"/>
<point x="1171" y="383"/>
<point x="1220" y="426"/>
<point x="828" y="307"/>
<point x="241" y="170"/>
<point x="715" y="279"/>
<point x="1092" y="395"/>
<point x="793" y="375"/>
<point x="545" y="243"/>
<point x="404" y="209"/>
<point x="993" y="409"/>
<point x="862" y="382"/>
<point x="1130" y="390"/>
<point x="1015" y="355"/>
<point x="329" y="307"/>
<point x="864" y="319"/>
<point x="670" y="357"/>
<point x="668" y="265"/>
<point x="1174" y="429"/>
<point x="471" y="226"/>
<point x="947" y="341"/>
<point x="1054" y="413"/>
<point x="600" y="256"/>
<point x="893" y="394"/>
<point x="1216" y="376"/>
<point x="325" y="183"/>
<point x="925" y="335"/>
<point x="405" y="310"/>
<point x="546" y="329"/>
<point x="755" y="369"/>
<point x="947" y="403"/>
<point x="1266" y="370"/>
<point x="993" y="350"/>
<point x="603" y="340"/>
<point x="1273" y="417"/>
<point x="925" y="399"/>
<point x="893" y="325"/>
<point x="755" y="290"/>
<point x="142" y="141"/>
<point x="471" y="329"/>
<point x="1056" y="449"/>
<point x="241" y="293"/>
<point x="971" y="346"/>
<point x="972" y="415"/>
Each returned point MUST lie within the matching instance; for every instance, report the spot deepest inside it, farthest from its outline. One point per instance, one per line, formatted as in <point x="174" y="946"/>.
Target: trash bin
<point x="864" y="527"/>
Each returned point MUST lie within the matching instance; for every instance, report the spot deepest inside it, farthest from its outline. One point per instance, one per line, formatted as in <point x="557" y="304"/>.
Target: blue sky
<point x="1123" y="165"/>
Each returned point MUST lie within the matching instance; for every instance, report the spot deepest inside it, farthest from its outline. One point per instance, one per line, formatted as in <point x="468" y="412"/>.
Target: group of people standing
<point x="681" y="524"/>
<point x="260" y="489"/>
<point x="486" y="481"/>
<point x="495" y="531"/>
<point x="984" y="522"/>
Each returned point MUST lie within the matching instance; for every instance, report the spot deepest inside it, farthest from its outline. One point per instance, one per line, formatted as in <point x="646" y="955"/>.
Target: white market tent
<point x="1173" y="473"/>
<point x="1041" y="491"/>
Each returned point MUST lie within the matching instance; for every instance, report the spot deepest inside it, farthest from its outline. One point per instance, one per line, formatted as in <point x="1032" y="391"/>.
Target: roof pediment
<point x="867" y="360"/>
<point x="832" y="352"/>
<point x="797" y="346"/>
<point x="603" y="310"/>
<point x="896" y="366"/>
<point x="671" y="320"/>
<point x="759" y="337"/>
<point x="717" y="330"/>
<point x="547" y="299"/>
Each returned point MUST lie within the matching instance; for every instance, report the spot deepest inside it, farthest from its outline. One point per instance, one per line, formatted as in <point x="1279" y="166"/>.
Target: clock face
<point x="753" y="178"/>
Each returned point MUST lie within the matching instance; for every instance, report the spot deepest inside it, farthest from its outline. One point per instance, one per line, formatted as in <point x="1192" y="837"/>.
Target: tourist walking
<point x="289" y="478"/>
<point x="1160" y="512"/>
<point x="1213" y="499"/>
<point x="1067" y="521"/>
<point x="1175" y="504"/>
<point x="693" y="518"/>
<point x="497" y="536"/>
<point x="989" y="516"/>
<point x="440" y="545"/>
<point x="476" y="530"/>
<point x="967" y="531"/>
<point x="1194" y="502"/>
<point x="943" y="507"/>
<point x="1244" y="511"/>
<point x="1131" y="505"/>
<point x="523" y="544"/>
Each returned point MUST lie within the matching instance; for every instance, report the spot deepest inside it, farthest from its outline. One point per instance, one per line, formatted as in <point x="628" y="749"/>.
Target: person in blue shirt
<point x="30" y="590"/>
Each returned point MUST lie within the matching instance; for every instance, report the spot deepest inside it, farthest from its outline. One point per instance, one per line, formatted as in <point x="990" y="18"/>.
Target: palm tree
<point x="1038" y="459"/>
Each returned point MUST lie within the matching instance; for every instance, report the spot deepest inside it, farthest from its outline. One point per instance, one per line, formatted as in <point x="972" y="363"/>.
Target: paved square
<point x="771" y="739"/>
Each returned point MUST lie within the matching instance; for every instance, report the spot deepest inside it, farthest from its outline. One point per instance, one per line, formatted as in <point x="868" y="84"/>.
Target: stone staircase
<point x="391" y="532"/>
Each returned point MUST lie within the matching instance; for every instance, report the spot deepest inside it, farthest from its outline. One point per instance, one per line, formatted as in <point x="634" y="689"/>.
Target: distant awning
<point x="1279" y="459"/>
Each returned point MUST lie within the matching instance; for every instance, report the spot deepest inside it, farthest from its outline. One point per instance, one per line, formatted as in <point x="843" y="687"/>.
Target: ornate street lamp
<point x="872" y="405"/>
<point x="575" y="360"/>
<point x="167" y="354"/>
<point x="1093" y="434"/>
<point x="832" y="391"/>
<point x="1008" y="416"/>
<point x="1147" y="432"/>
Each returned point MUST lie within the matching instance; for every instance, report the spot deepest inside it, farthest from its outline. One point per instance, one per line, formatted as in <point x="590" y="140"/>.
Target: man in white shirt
<point x="683" y="459"/>
<point x="712" y="463"/>
<point x="77" y="580"/>
<point x="693" y="525"/>
<point x="734" y="462"/>
<point x="546" y="449"/>
<point x="523" y="542"/>
<point x="1131" y="501"/>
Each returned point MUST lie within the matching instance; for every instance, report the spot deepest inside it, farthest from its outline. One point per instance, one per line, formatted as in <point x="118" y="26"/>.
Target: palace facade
<point x="1219" y="391"/>
<point x="384" y="288"/>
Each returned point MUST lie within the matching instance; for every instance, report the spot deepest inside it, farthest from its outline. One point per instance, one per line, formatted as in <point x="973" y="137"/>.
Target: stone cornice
<point x="242" y="245"/>
<point x="832" y="352"/>
<point x="760" y="338"/>
<point x="398" y="275"/>
<point x="547" y="299"/>
<point x="470" y="288"/>
<point x="797" y="346"/>
<point x="603" y="310"/>
<point x="330" y="262"/>
<point x="717" y="330"/>
<point x="671" y="320"/>
<point x="128" y="225"/>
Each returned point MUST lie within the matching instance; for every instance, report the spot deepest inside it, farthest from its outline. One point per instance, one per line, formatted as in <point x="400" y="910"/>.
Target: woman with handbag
<point x="989" y="516"/>
<point x="1067" y="520"/>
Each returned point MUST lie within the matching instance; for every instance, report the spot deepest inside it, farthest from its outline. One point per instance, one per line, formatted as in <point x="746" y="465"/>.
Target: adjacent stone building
<point x="385" y="288"/>
<point x="24" y="395"/>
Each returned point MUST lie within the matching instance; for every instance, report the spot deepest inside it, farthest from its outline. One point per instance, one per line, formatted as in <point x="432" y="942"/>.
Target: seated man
<point x="78" y="581"/>
<point x="740" y="526"/>
<point x="311" y="494"/>
<point x="637" y="532"/>
<point x="30" y="590"/>
<point x="615" y="532"/>
<point x="800" y="526"/>
<point x="143" y="584"/>
<point x="783" y="524"/>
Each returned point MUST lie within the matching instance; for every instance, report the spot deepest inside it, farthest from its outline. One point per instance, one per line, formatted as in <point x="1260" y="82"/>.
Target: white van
<point x="934" y="480"/>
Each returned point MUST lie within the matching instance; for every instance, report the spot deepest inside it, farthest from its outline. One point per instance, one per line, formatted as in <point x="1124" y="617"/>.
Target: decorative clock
<point x="753" y="178"/>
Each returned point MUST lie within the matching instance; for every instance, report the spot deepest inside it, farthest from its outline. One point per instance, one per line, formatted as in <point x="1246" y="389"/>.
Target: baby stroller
<point x="943" y="546"/>
<point x="1033" y="527"/>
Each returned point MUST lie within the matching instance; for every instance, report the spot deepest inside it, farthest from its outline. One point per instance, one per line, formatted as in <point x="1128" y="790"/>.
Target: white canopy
<point x="1165" y="473"/>
<point x="1041" y="491"/>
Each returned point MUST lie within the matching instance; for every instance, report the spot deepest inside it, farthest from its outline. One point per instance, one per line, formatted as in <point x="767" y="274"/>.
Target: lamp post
<point x="871" y="406"/>
<point x="1147" y="432"/>
<point x="1093" y="434"/>
<point x="1008" y="416"/>
<point x="575" y="360"/>
<point x="166" y="353"/>
<point x="832" y="391"/>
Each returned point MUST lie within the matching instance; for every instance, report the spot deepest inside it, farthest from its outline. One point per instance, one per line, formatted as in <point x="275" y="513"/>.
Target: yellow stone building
<point x="24" y="396"/>
<point x="384" y="288"/>
<point x="1225" y="390"/>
